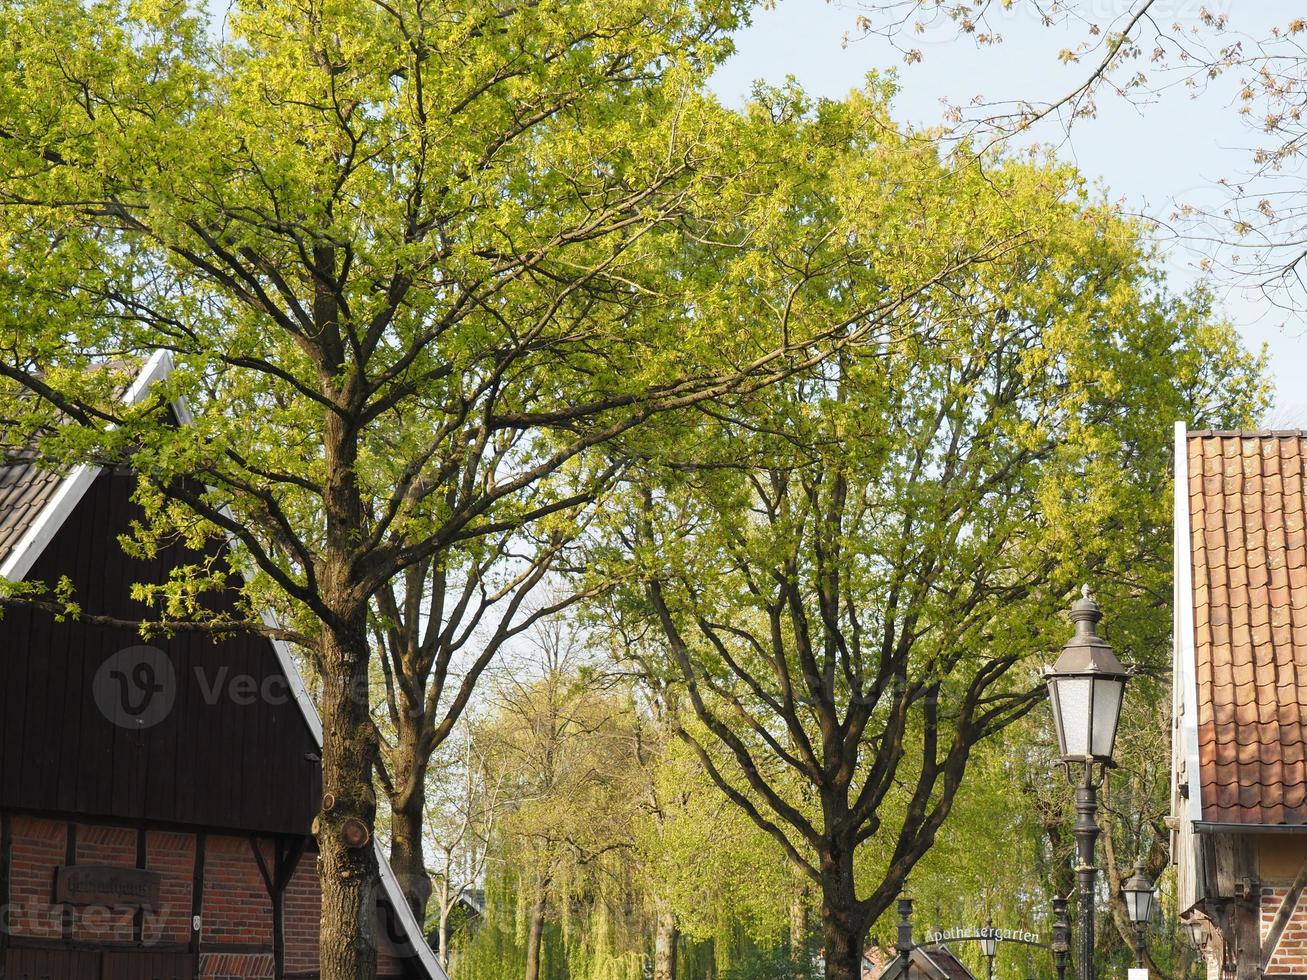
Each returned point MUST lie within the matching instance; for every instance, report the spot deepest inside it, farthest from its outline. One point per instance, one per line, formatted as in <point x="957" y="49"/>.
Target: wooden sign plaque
<point x="102" y="884"/>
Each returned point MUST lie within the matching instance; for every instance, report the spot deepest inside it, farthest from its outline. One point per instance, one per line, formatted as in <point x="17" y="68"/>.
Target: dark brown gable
<point x="231" y="750"/>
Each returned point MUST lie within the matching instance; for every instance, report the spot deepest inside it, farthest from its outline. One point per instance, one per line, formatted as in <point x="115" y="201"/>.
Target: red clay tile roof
<point x="1249" y="559"/>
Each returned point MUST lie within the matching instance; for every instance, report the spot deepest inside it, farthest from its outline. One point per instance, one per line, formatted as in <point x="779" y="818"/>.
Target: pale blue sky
<point x="1148" y="156"/>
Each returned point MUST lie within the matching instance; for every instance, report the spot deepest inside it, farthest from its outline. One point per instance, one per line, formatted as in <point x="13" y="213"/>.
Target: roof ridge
<point x="1247" y="433"/>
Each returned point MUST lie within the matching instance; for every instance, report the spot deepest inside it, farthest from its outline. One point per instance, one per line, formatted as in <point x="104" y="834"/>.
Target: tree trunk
<point x="347" y="863"/>
<point x="442" y="938"/>
<point x="442" y="930"/>
<point x="347" y="860"/>
<point x="665" y="940"/>
<point x="406" y="858"/>
<point x="799" y="923"/>
<point x="535" y="935"/>
<point x="842" y="924"/>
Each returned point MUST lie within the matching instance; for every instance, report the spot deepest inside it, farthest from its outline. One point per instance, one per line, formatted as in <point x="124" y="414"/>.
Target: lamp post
<point x="1085" y="687"/>
<point x="1061" y="936"/>
<point x="1139" y="896"/>
<point x="989" y="944"/>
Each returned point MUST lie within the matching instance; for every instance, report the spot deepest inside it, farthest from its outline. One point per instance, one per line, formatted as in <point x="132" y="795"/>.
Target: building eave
<point x="1231" y="827"/>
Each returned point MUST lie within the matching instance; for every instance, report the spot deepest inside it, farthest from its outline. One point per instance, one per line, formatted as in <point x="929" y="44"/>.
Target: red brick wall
<point x="237" y="909"/>
<point x="230" y="966"/>
<point x="300" y="920"/>
<point x="172" y="855"/>
<point x="39" y="846"/>
<point x="1290" y="954"/>
<point x="112" y="846"/>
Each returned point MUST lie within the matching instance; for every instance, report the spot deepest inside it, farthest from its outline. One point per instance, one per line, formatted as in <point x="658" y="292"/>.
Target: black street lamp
<point x="1061" y="936"/>
<point x="989" y="944"/>
<point x="1085" y="687"/>
<point x="1139" y="898"/>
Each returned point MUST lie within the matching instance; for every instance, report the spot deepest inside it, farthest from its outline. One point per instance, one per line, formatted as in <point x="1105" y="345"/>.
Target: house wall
<point x="236" y="936"/>
<point x="173" y="856"/>
<point x="112" y="846"/>
<point x="1231" y="903"/>
<point x="1290" y="953"/>
<point x="1280" y="857"/>
<point x="303" y="898"/>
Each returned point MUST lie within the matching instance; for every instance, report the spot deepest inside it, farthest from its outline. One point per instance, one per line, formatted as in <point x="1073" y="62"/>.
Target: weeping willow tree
<point x="595" y="940"/>
<point x="598" y="941"/>
<point x="489" y="946"/>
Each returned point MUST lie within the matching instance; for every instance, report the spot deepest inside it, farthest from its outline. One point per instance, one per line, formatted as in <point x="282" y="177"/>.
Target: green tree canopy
<point x="846" y="583"/>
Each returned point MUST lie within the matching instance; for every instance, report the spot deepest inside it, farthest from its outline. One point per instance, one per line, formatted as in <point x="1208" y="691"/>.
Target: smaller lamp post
<point x="1196" y="927"/>
<point x="905" y="943"/>
<point x="1139" y="896"/>
<point x="989" y="944"/>
<point x="1061" y="936"/>
<point x="1086" y="686"/>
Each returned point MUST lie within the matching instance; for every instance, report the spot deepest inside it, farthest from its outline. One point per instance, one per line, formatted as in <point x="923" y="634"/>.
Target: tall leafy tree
<point x="414" y="265"/>
<point x="755" y="254"/>
<point x="844" y="587"/>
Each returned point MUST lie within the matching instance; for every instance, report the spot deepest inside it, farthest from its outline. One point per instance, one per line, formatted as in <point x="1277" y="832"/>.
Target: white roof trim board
<point x="29" y="547"/>
<point x="52" y="518"/>
<point x="1185" y="668"/>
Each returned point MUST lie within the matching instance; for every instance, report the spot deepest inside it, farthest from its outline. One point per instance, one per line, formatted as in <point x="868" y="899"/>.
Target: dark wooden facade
<point x="216" y="760"/>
